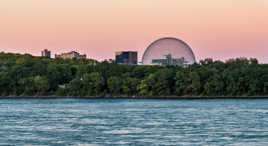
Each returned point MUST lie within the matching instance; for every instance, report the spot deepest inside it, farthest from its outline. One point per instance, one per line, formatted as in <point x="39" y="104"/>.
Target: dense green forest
<point x="26" y="75"/>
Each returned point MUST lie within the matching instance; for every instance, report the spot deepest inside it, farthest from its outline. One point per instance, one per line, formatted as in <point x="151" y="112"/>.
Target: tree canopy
<point x="26" y="75"/>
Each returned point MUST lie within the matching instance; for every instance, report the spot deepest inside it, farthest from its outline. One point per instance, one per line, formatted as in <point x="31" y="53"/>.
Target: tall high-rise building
<point x="126" y="57"/>
<point x="46" y="53"/>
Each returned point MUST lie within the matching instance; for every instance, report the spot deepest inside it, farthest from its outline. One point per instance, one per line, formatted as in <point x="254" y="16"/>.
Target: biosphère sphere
<point x="173" y="47"/>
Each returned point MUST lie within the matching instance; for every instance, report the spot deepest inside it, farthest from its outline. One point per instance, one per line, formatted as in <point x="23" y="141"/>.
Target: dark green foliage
<point x="5" y="85"/>
<point x="27" y="75"/>
<point x="114" y="85"/>
<point x="92" y="83"/>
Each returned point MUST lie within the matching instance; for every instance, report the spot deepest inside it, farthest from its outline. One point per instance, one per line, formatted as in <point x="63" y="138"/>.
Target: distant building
<point x="168" y="51"/>
<point x="126" y="57"/>
<point x="71" y="55"/>
<point x="46" y="53"/>
<point x="168" y="60"/>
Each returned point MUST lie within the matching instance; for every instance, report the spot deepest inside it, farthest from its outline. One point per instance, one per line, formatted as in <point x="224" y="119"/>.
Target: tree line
<point x="26" y="75"/>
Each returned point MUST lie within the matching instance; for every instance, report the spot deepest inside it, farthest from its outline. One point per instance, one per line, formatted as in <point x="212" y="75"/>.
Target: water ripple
<point x="133" y="122"/>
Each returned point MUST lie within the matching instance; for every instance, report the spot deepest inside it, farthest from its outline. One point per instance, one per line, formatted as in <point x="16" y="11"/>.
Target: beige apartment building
<point x="71" y="55"/>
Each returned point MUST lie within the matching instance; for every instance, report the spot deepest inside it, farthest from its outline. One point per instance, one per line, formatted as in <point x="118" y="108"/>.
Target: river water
<point x="133" y="122"/>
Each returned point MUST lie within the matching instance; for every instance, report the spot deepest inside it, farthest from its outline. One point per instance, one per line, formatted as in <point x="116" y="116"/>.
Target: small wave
<point x="125" y="131"/>
<point x="153" y="123"/>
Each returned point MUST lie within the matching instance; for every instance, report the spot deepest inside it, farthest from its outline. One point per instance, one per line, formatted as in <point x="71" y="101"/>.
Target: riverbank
<point x="134" y="97"/>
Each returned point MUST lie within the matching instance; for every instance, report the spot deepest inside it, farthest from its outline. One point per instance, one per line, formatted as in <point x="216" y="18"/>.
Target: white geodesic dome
<point x="165" y="46"/>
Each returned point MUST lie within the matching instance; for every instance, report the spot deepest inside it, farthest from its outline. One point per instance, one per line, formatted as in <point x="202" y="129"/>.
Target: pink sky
<point x="213" y="28"/>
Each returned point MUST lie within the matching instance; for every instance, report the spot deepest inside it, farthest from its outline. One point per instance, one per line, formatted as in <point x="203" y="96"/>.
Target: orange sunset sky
<point x="218" y="29"/>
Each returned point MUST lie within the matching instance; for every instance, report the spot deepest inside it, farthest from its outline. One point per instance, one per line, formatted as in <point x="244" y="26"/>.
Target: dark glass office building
<point x="126" y="57"/>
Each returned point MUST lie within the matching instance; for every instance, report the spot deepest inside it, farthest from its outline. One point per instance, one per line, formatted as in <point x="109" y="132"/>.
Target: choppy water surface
<point x="133" y="122"/>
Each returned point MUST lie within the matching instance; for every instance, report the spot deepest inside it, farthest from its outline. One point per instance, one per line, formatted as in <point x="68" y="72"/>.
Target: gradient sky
<point x="218" y="29"/>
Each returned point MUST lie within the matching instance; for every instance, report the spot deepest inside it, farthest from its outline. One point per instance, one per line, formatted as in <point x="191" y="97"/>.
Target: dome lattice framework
<point x="168" y="51"/>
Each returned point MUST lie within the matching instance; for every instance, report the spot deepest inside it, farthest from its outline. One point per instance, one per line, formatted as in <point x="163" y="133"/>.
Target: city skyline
<point x="214" y="29"/>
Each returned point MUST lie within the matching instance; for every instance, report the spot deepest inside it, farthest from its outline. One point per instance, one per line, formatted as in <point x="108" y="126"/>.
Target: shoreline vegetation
<point x="27" y="76"/>
<point x="134" y="97"/>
